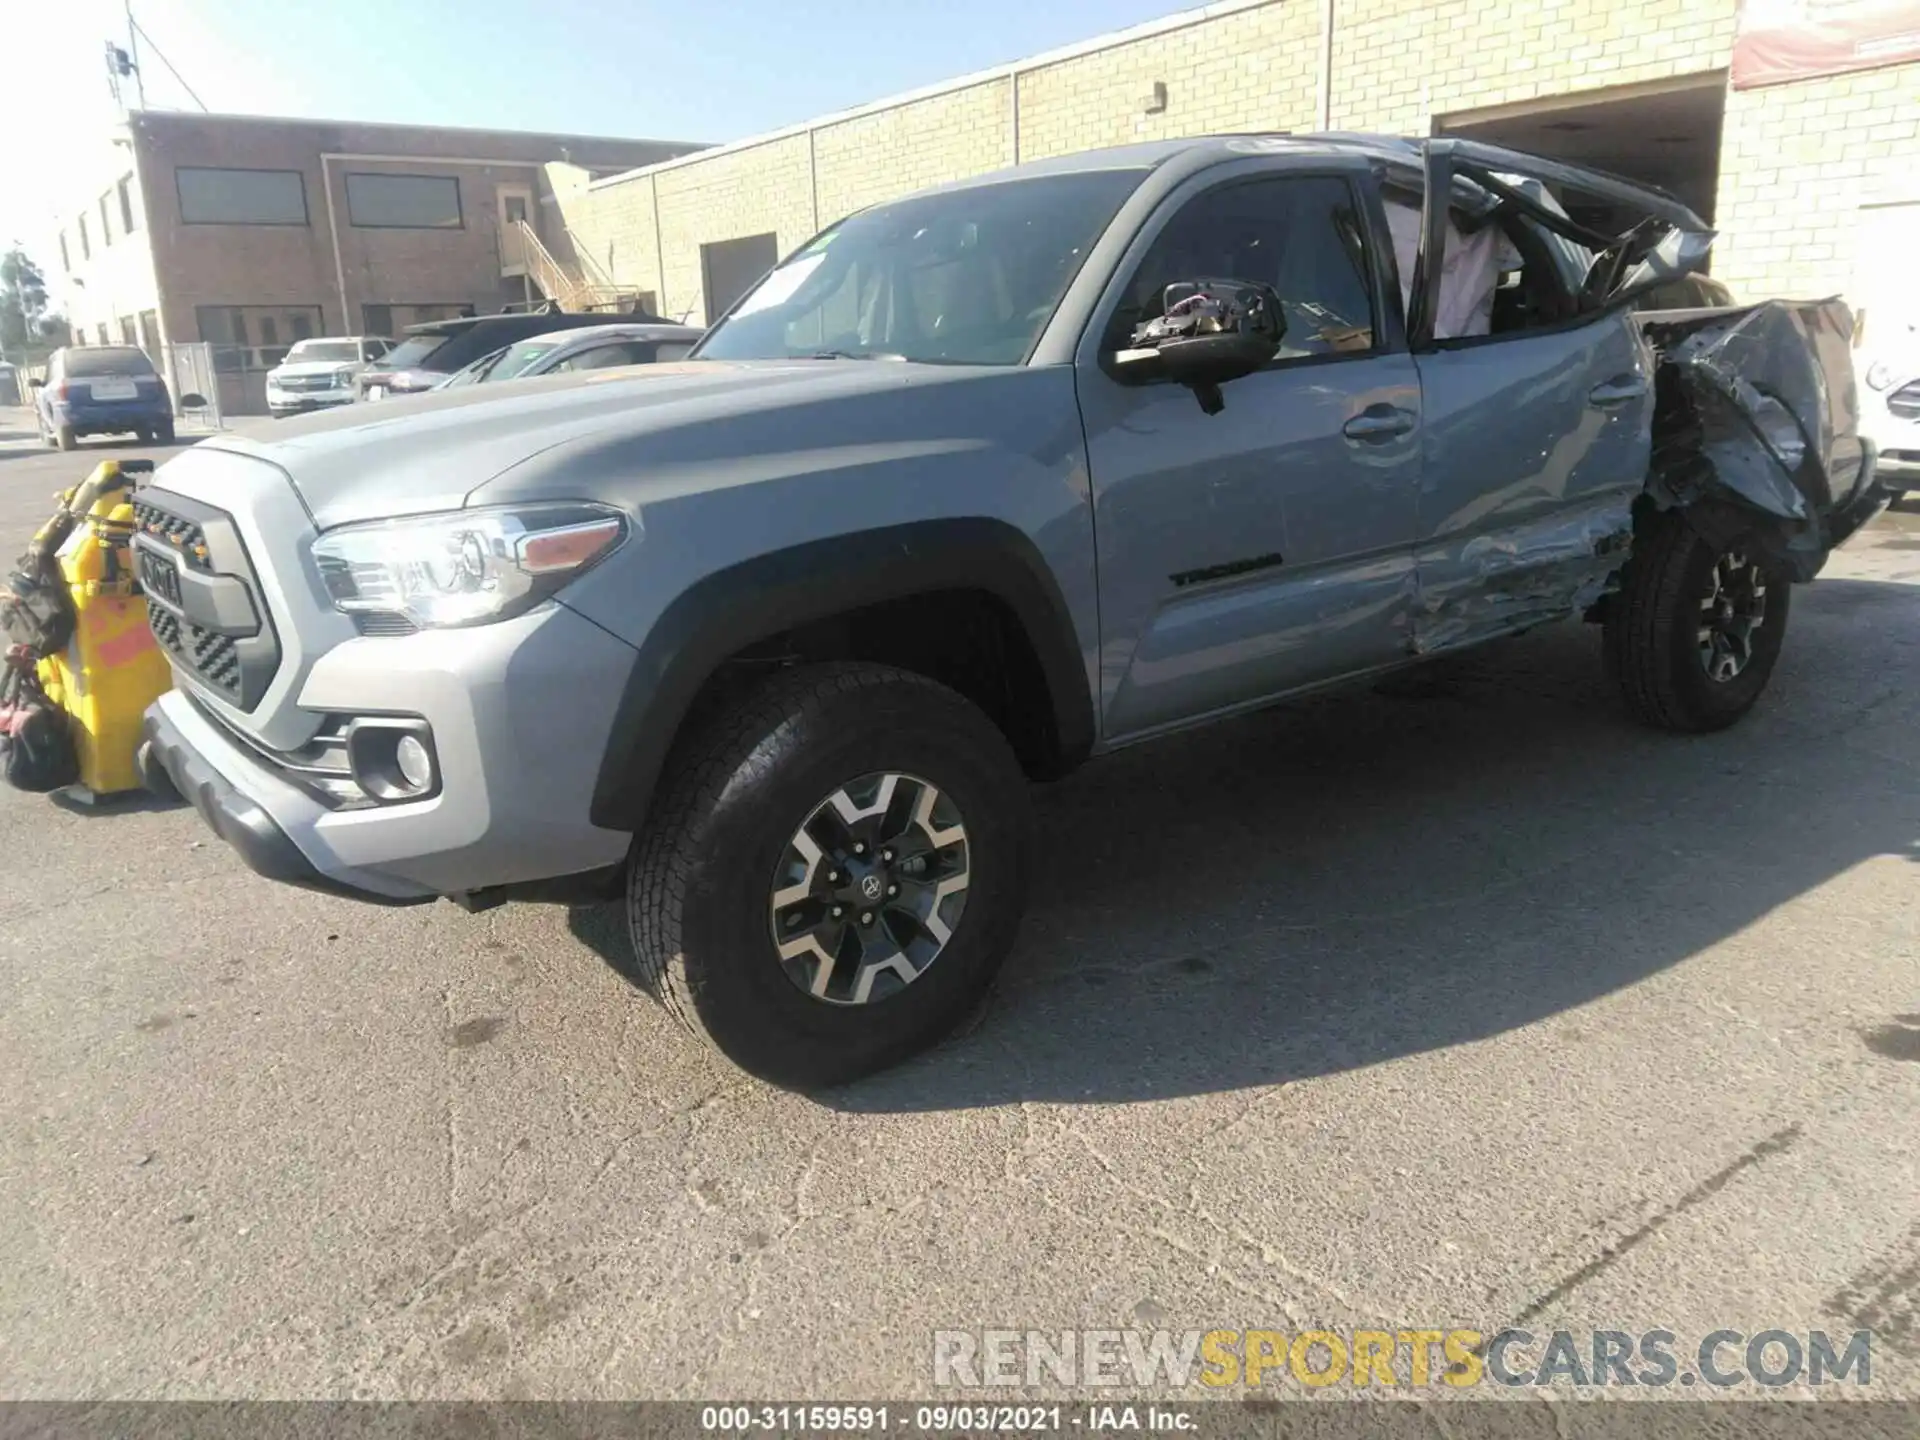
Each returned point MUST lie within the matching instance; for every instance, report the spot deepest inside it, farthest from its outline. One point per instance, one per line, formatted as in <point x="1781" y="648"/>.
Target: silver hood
<point x="434" y="452"/>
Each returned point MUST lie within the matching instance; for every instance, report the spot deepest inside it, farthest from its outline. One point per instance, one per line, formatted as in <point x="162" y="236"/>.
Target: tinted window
<point x="521" y="356"/>
<point x="107" y="360"/>
<point x="412" y="352"/>
<point x="1301" y="235"/>
<point x="966" y="276"/>
<point x="604" y="357"/>
<point x="241" y="197"/>
<point x="404" y="202"/>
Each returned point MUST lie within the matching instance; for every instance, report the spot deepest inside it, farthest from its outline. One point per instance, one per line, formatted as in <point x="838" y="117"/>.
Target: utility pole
<point x="133" y="55"/>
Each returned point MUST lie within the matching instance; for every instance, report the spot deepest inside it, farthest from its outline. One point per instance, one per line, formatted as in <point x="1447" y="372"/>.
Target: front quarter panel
<point x="931" y="478"/>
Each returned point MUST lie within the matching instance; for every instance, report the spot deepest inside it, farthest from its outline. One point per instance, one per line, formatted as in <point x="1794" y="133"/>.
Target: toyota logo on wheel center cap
<point x="870" y="886"/>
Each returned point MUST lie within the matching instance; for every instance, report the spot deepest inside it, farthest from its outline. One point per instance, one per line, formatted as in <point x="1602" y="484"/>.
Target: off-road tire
<point x="1651" y="633"/>
<point x="65" y="439"/>
<point x="732" y="794"/>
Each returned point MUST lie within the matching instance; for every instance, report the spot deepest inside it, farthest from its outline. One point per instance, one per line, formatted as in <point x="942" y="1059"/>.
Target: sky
<point x="708" y="70"/>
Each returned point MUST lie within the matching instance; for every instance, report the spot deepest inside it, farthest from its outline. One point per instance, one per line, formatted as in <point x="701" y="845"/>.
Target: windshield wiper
<point x="856" y="355"/>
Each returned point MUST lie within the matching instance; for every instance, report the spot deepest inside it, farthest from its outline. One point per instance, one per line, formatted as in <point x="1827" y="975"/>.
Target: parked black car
<point x="431" y="352"/>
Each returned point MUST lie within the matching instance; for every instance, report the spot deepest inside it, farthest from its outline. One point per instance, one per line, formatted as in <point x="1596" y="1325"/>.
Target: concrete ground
<point x="1457" y="1001"/>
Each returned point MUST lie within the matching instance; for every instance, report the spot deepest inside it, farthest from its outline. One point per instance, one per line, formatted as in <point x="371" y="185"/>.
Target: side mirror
<point x="1212" y="332"/>
<point x="36" y="383"/>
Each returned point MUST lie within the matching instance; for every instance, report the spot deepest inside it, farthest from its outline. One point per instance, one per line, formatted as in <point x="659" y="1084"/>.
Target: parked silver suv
<point x="975" y="485"/>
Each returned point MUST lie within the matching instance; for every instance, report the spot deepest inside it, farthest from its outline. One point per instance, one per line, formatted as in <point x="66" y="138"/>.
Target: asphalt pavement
<point x="1453" y="1001"/>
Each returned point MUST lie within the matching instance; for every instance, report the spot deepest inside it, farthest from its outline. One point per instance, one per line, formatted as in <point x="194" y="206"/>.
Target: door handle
<point x="1617" y="391"/>
<point x="1378" y="422"/>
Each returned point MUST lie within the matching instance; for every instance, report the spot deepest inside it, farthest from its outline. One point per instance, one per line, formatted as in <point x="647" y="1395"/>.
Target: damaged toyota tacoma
<point x="975" y="485"/>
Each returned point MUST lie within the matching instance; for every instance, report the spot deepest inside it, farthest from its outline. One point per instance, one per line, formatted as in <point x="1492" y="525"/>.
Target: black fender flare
<point x="731" y="609"/>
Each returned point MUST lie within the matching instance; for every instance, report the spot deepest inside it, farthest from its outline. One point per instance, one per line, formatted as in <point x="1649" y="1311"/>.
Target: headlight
<point x="1878" y="375"/>
<point x="465" y="567"/>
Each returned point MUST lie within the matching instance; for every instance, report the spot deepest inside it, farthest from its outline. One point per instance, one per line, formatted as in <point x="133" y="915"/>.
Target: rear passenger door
<point x="1537" y="441"/>
<point x="1267" y="547"/>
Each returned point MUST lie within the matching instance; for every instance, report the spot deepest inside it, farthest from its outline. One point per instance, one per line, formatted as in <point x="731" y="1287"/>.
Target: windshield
<point x="339" y="351"/>
<point x="962" y="277"/>
<point x="520" y="357"/>
<point x="471" y="374"/>
<point x="107" y="360"/>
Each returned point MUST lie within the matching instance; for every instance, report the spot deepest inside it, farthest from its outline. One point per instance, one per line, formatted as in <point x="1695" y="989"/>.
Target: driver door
<point x="1268" y="547"/>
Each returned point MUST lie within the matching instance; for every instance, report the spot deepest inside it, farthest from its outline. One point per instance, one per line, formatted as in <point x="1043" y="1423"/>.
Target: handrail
<point x="572" y="293"/>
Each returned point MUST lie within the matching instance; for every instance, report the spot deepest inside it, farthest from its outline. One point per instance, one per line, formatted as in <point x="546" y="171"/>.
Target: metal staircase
<point x="580" y="292"/>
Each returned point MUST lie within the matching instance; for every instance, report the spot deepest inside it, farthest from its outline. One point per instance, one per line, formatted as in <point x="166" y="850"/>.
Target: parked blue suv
<point x="102" y="390"/>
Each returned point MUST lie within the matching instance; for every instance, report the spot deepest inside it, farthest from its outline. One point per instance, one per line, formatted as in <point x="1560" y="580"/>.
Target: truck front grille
<point x="211" y="657"/>
<point x="208" y="613"/>
<point x="179" y="533"/>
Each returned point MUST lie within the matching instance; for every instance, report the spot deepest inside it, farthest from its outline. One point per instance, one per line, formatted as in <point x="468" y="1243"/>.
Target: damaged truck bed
<point x="1751" y="439"/>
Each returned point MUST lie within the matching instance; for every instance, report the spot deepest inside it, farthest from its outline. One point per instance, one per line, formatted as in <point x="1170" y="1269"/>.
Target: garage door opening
<point x="1665" y="134"/>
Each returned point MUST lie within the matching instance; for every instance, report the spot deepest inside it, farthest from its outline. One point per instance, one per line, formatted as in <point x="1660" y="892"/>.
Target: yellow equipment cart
<point x="83" y="666"/>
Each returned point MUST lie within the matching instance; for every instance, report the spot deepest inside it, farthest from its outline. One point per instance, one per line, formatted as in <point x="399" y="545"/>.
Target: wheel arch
<point x="743" y="610"/>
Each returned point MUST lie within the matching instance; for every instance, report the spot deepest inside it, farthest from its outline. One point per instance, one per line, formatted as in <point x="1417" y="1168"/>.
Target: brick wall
<point x="1397" y="66"/>
<point x="1399" y="63"/>
<point x="746" y="192"/>
<point x="944" y="137"/>
<point x="1797" y="162"/>
<point x="1251" y="69"/>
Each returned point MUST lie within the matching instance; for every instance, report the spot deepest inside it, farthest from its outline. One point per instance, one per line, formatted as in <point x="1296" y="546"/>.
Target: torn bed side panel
<point x="1756" y="427"/>
<point x="1554" y="567"/>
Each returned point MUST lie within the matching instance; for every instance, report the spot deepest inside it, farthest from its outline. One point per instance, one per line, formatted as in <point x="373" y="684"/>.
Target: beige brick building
<point x="1813" y="183"/>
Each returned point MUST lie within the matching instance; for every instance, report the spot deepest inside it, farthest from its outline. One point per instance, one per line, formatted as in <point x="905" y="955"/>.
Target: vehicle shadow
<point x="1447" y="855"/>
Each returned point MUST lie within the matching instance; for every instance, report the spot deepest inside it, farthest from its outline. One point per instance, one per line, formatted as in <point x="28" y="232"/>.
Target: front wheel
<point x="1693" y="636"/>
<point x="833" y="874"/>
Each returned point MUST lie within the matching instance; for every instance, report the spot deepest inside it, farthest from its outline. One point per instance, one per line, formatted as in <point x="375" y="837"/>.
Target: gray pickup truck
<point x="975" y="485"/>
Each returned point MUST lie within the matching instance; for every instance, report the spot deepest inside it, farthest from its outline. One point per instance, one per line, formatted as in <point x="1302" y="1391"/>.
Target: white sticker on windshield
<point x="778" y="287"/>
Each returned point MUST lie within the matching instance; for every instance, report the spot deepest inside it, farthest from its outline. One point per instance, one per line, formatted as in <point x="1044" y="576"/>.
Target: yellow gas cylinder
<point x="111" y="670"/>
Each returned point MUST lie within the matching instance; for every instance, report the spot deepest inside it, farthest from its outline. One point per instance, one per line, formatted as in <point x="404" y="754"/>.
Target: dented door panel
<point x="1536" y="446"/>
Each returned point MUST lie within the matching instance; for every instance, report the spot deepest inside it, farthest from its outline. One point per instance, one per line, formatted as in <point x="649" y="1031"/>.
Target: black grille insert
<point x="203" y="604"/>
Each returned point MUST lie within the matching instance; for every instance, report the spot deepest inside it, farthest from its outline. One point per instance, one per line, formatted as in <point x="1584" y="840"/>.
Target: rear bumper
<point x="111" y="418"/>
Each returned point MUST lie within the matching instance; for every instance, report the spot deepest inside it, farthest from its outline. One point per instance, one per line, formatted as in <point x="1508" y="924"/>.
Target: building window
<point x="254" y="337"/>
<point x="86" y="245"/>
<point x="128" y="335"/>
<point x="101" y="331"/>
<point x="66" y="261"/>
<point x="241" y="197"/>
<point x="404" y="202"/>
<point x="126" y="204"/>
<point x="150" y="332"/>
<point x="106" y="226"/>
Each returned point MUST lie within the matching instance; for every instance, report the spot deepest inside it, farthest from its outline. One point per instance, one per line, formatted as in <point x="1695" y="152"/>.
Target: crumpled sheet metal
<point x="1770" y="408"/>
<point x="1552" y="569"/>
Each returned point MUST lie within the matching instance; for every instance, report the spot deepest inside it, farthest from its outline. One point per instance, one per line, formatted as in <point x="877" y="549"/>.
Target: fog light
<point x="416" y="766"/>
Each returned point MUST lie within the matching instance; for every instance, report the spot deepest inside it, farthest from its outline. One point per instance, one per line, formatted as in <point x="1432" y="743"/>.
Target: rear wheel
<point x="834" y="873"/>
<point x="1694" y="635"/>
<point x="65" y="438"/>
<point x="163" y="432"/>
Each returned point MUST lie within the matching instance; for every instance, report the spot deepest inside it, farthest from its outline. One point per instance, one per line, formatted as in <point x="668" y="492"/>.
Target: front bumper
<point x="244" y="823"/>
<point x="520" y="714"/>
<point x="296" y="402"/>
